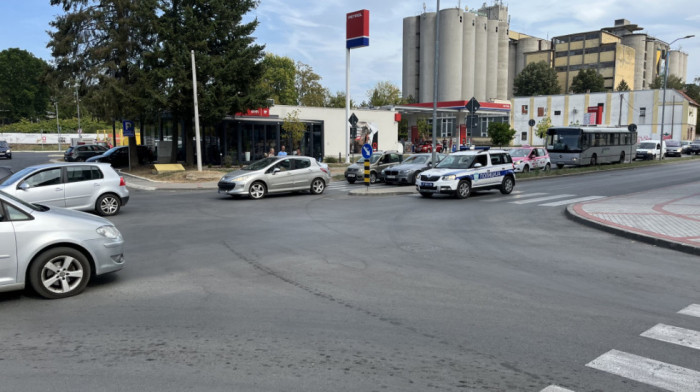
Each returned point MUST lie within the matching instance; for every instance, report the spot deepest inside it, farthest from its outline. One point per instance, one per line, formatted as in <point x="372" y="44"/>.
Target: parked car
<point x="407" y="171"/>
<point x="461" y="172"/>
<point x="685" y="146"/>
<point x="694" y="148"/>
<point x="274" y="175"/>
<point x="528" y="158"/>
<point x="5" y="150"/>
<point x="82" y="152"/>
<point x="38" y="250"/>
<point x="673" y="148"/>
<point x="119" y="156"/>
<point x="650" y="149"/>
<point x="428" y="147"/>
<point x="379" y="161"/>
<point x="78" y="186"/>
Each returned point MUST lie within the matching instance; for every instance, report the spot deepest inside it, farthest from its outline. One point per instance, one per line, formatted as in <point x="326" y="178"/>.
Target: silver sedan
<point x="54" y="250"/>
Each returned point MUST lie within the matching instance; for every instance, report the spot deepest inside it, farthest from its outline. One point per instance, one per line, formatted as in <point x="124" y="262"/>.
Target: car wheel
<point x="372" y="177"/>
<point x="594" y="160"/>
<point x="560" y="166"/>
<point x="352" y="181"/>
<point x="317" y="186"/>
<point x="507" y="185"/>
<point x="622" y="157"/>
<point x="547" y="167"/>
<point x="463" y="189"/>
<point x="426" y="194"/>
<point x="108" y="204"/>
<point x="257" y="190"/>
<point x="526" y="169"/>
<point x="59" y="273"/>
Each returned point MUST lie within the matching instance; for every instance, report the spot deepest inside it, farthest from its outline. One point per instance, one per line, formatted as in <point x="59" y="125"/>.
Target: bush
<point x="330" y="159"/>
<point x="228" y="161"/>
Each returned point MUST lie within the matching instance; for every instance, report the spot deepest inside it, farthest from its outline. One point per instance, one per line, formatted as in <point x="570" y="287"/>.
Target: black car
<point x="82" y="152"/>
<point x="694" y="148"/>
<point x="119" y="156"/>
<point x="5" y="150"/>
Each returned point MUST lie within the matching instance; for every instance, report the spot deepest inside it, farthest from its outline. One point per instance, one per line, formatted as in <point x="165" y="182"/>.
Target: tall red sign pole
<point x="357" y="36"/>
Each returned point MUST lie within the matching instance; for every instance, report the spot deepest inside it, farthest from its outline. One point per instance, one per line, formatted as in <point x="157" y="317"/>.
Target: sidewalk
<point x="668" y="217"/>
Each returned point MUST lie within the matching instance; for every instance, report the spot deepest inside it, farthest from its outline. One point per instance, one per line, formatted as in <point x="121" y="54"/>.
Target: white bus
<point x="577" y="146"/>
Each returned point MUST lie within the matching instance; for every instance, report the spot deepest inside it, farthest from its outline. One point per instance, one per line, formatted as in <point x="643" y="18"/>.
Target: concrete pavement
<point x="668" y="217"/>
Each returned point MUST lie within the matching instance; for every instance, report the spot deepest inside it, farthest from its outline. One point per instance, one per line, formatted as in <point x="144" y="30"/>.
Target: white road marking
<point x="554" y="388"/>
<point x="571" y="201"/>
<point x="539" y="199"/>
<point x="670" y="334"/>
<point x="648" y="371"/>
<point x="518" y="196"/>
<point x="691" y="310"/>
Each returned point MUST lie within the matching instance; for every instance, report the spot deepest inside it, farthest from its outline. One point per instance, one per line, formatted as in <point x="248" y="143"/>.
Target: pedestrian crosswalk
<point x="649" y="371"/>
<point x="543" y="199"/>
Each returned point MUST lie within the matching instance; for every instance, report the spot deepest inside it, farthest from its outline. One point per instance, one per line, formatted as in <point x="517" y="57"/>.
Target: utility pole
<point x="619" y="120"/>
<point x="58" y="126"/>
<point x="77" y="100"/>
<point x="435" y="79"/>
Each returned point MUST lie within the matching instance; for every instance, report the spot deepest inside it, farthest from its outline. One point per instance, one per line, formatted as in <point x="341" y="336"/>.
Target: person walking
<point x="282" y="152"/>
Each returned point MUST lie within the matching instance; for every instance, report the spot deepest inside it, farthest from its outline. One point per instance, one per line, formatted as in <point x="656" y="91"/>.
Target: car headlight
<point x="241" y="179"/>
<point x="110" y="232"/>
<point x="451" y="177"/>
<point x="518" y="162"/>
<point x="8" y="150"/>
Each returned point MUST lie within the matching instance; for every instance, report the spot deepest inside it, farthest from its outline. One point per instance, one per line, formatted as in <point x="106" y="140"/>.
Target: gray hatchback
<point x="275" y="175"/>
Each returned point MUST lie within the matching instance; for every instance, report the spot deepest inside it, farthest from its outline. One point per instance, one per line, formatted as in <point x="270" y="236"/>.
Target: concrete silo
<point x="639" y="44"/>
<point x="450" y="64"/>
<point x="468" y="54"/>
<point x="411" y="47"/>
<point x="502" y="69"/>
<point x="512" y="56"/>
<point x="491" y="59"/>
<point x="427" y="57"/>
<point x="480" y="58"/>
<point x="677" y="63"/>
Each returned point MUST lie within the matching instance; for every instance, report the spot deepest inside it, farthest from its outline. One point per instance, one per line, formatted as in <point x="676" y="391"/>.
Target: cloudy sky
<point x="313" y="31"/>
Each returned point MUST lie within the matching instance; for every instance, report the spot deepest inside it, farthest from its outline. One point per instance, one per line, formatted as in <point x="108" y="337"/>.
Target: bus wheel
<point x="622" y="157"/>
<point x="560" y="166"/>
<point x="594" y="160"/>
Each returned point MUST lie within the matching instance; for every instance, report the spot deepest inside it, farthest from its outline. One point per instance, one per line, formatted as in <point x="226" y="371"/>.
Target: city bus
<point x="577" y="146"/>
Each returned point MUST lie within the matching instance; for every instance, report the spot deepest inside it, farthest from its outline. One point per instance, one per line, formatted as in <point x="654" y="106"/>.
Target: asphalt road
<point x="341" y="293"/>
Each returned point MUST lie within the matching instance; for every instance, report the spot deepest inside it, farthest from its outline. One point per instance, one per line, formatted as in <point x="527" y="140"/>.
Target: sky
<point x="313" y="31"/>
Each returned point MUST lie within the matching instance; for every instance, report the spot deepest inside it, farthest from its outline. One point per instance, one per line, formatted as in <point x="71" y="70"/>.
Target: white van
<point x="650" y="149"/>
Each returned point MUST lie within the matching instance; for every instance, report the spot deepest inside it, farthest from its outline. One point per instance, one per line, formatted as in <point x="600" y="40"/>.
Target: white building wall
<point x="334" y="125"/>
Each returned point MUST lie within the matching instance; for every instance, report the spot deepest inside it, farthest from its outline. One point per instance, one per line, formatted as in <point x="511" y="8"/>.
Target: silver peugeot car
<point x="275" y="175"/>
<point x="77" y="186"/>
<point x="38" y="250"/>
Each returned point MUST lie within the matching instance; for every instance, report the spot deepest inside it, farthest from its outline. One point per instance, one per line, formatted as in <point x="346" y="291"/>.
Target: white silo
<point x="450" y="65"/>
<point x="480" y="58"/>
<point x="502" y="72"/>
<point x="468" y="54"/>
<point x="638" y="43"/>
<point x="491" y="59"/>
<point x="427" y="57"/>
<point x="676" y="64"/>
<point x="411" y="46"/>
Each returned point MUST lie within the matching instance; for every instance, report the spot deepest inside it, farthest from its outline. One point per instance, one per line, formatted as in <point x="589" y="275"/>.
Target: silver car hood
<point x="60" y="213"/>
<point x="240" y="172"/>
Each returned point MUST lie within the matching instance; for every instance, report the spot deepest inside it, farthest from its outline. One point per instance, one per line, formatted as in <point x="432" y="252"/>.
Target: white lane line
<point x="670" y="334"/>
<point x="571" y="201"/>
<point x="539" y="199"/>
<point x="554" y="388"/>
<point x="518" y="196"/>
<point x="648" y="371"/>
<point x="691" y="310"/>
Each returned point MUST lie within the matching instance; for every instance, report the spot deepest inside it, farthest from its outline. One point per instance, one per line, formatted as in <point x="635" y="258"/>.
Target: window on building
<point x="557" y="112"/>
<point x="642" y="112"/>
<point x="540" y="112"/>
<point x="524" y="109"/>
<point x="523" y="136"/>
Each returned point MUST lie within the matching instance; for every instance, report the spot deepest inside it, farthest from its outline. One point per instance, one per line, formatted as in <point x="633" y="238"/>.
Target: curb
<point x="571" y="214"/>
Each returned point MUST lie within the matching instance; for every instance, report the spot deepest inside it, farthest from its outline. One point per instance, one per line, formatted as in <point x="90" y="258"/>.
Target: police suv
<point x="461" y="172"/>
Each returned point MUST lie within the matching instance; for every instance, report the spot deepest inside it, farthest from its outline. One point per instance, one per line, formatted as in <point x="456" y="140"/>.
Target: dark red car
<point x="428" y="147"/>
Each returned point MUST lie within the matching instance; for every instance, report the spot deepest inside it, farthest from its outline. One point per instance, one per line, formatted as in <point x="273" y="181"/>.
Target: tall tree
<point x="501" y="133"/>
<point x="588" y="80"/>
<point x="384" y="93"/>
<point x="623" y="86"/>
<point x="23" y="91"/>
<point x="673" y="82"/>
<point x="337" y="100"/>
<point x="278" y="79"/>
<point x="536" y="79"/>
<point x="310" y="92"/>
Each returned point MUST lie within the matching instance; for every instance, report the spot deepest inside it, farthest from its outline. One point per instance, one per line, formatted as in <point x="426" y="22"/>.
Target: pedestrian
<point x="298" y="152"/>
<point x="270" y="153"/>
<point x="282" y="152"/>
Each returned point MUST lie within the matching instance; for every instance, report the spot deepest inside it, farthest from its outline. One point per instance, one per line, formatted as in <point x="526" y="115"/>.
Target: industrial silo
<point x="639" y="44"/>
<point x="450" y="65"/>
<point x="491" y="59"/>
<point x="427" y="57"/>
<point x="676" y="64"/>
<point x="480" y="58"/>
<point x="512" y="57"/>
<point x="468" y="56"/>
<point x="411" y="48"/>
<point x="502" y="75"/>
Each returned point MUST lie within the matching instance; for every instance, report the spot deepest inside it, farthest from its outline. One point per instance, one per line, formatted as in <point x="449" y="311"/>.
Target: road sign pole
<point x="367" y="172"/>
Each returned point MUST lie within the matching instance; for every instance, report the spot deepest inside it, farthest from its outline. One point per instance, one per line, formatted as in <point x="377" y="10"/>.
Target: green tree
<point x="337" y="100"/>
<point x="500" y="133"/>
<point x="278" y="79"/>
<point x="588" y="80"/>
<point x="293" y="128"/>
<point x="542" y="127"/>
<point x="425" y="130"/>
<point x="384" y="93"/>
<point x="310" y="92"/>
<point x="23" y="91"/>
<point x="673" y="82"/>
<point x="623" y="86"/>
<point x="536" y="79"/>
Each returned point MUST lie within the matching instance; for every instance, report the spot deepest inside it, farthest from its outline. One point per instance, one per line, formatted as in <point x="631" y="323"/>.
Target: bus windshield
<point x="564" y="140"/>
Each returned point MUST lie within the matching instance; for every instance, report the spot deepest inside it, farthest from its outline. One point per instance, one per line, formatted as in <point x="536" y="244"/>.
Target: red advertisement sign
<point x="357" y="29"/>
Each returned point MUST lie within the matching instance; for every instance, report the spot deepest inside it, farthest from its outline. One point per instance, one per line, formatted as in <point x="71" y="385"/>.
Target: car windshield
<point x="15" y="177"/>
<point x="647" y="145"/>
<point x="417" y="159"/>
<point x="261" y="164"/>
<point x="372" y="159"/>
<point x="111" y="150"/>
<point x="24" y="203"/>
<point x="564" y="140"/>
<point x="519" y="152"/>
<point x="672" y="143"/>
<point x="3" y="144"/>
<point x="456" y="162"/>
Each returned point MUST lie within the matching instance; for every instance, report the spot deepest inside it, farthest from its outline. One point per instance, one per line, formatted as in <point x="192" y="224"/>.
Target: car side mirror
<point x="477" y="165"/>
<point x="23" y="186"/>
<point x="276" y="170"/>
<point x="430" y="164"/>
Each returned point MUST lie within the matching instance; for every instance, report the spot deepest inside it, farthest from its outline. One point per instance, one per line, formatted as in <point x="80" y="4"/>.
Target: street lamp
<point x="663" y="104"/>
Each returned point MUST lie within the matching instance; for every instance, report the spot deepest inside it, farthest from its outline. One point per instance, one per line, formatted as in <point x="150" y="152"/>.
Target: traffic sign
<point x="128" y="128"/>
<point x="353" y="119"/>
<point x="531" y="122"/>
<point x="473" y="105"/>
<point x="367" y="151"/>
<point x="472" y="121"/>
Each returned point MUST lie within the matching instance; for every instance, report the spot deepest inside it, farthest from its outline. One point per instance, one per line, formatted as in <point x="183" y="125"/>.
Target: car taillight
<point x="122" y="182"/>
<point x="323" y="169"/>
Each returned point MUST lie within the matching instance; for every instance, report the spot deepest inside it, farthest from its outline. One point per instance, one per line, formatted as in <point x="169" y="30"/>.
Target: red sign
<point x="260" y="112"/>
<point x="357" y="29"/>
